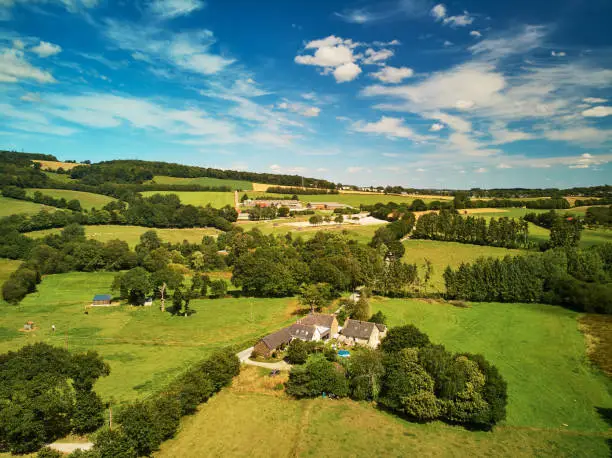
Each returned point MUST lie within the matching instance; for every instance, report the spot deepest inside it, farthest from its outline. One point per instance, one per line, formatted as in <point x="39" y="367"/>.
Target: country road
<point x="244" y="355"/>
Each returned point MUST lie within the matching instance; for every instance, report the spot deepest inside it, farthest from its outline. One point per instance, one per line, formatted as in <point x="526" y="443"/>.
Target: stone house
<point x="363" y="332"/>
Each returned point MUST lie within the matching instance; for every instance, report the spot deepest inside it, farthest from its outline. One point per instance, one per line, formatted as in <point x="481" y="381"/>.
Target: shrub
<point x="316" y="377"/>
<point x="48" y="452"/>
<point x="401" y="337"/>
<point x="297" y="352"/>
<point x="113" y="444"/>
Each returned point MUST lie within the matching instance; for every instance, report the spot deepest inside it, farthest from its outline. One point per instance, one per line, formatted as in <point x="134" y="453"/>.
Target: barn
<point x="101" y="299"/>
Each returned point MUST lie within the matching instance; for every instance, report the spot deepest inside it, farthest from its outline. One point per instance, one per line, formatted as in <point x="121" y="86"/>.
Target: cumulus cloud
<point x="377" y="57"/>
<point x="392" y="74"/>
<point x="435" y="127"/>
<point x="14" y="67"/>
<point x="557" y="54"/>
<point x="475" y="34"/>
<point x="439" y="12"/>
<point x="597" y="112"/>
<point x="169" y="9"/>
<point x="46" y="49"/>
<point x="346" y="72"/>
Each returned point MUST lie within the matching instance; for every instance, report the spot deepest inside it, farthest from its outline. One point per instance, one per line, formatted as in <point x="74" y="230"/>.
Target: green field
<point x="551" y="410"/>
<point x="199" y="198"/>
<point x="144" y="347"/>
<point x="7" y="267"/>
<point x="131" y="234"/>
<point x="353" y="200"/>
<point x="443" y="254"/>
<point x="353" y="231"/>
<point x="88" y="200"/>
<point x="204" y="181"/>
<point x="10" y="206"/>
<point x="59" y="177"/>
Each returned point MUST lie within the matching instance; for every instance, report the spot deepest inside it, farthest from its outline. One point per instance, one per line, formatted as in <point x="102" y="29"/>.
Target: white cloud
<point x="448" y="43"/>
<point x="475" y="34"/>
<point x="393" y="74"/>
<point x="598" y="112"/>
<point x="579" y="135"/>
<point x="459" y="21"/>
<point x="46" y="49"/>
<point x="169" y="9"/>
<point x="557" y="54"/>
<point x="14" y="67"/>
<point x="72" y="6"/>
<point x="388" y="126"/>
<point x="300" y="108"/>
<point x="438" y="12"/>
<point x="504" y="166"/>
<point x="594" y="100"/>
<point x="189" y="51"/>
<point x="375" y="57"/>
<point x="481" y="170"/>
<point x="346" y="72"/>
<point x="435" y="127"/>
<point x="30" y="97"/>
<point x="355" y="169"/>
<point x="18" y="44"/>
<point x="515" y="42"/>
<point x="502" y="135"/>
<point x="356" y="16"/>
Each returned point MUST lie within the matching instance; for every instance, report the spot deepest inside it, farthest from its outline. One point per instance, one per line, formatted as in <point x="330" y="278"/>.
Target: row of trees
<point x="40" y="198"/>
<point x="448" y="226"/>
<point x="411" y="376"/>
<point x="46" y="393"/>
<point x="578" y="279"/>
<point x="599" y="216"/>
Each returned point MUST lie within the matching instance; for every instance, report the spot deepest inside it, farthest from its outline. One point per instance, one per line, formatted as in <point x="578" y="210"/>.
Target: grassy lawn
<point x="131" y="234"/>
<point x="144" y="347"/>
<point x="199" y="198"/>
<point x="59" y="177"/>
<point x="88" y="200"/>
<point x="10" y="206"/>
<point x="204" y="181"/>
<point x="442" y="254"/>
<point x="253" y="419"/>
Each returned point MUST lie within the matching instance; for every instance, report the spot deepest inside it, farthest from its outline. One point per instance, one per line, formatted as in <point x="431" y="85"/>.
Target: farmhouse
<point x="311" y="328"/>
<point x="101" y="299"/>
<point x="327" y="205"/>
<point x="363" y="332"/>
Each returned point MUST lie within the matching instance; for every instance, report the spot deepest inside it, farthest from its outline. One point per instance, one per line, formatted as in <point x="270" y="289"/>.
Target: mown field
<point x="59" y="177"/>
<point x="88" y="200"/>
<point x="131" y="234"/>
<point x="54" y="165"/>
<point x="10" y="206"/>
<point x="204" y="181"/>
<point x="199" y="198"/>
<point x="144" y="347"/>
<point x="551" y="411"/>
<point x="442" y="254"/>
<point x="7" y="267"/>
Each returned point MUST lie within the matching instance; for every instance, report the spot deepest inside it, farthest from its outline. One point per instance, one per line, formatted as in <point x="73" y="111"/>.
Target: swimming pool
<point x="344" y="353"/>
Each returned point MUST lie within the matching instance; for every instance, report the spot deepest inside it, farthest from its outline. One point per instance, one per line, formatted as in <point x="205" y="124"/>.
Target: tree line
<point x="411" y="376"/>
<point x="573" y="278"/>
<point x="38" y="197"/>
<point x="599" y="216"/>
<point x="451" y="227"/>
<point x="300" y="191"/>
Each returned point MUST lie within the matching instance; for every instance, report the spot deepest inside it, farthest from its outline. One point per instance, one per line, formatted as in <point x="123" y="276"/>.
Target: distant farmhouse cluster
<point x="294" y="204"/>
<point x="315" y="327"/>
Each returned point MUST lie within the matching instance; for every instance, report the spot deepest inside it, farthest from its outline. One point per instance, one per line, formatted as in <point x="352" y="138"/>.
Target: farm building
<point x="327" y="205"/>
<point x="363" y="332"/>
<point x="311" y="328"/>
<point x="101" y="299"/>
<point x="148" y="301"/>
<point x="292" y="204"/>
<point x="29" y="326"/>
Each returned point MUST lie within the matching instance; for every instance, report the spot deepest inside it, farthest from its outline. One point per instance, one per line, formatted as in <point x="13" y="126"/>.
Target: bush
<point x="48" y="452"/>
<point x="88" y="412"/>
<point x="137" y="423"/>
<point x="297" y="352"/>
<point x="113" y="444"/>
<point x="316" y="377"/>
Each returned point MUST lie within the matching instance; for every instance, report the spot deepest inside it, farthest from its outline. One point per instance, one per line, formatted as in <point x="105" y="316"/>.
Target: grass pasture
<point x="204" y="181"/>
<point x="7" y="267"/>
<point x="88" y="200"/>
<point x="144" y="347"/>
<point x="353" y="199"/>
<point x="10" y="206"/>
<point x="59" y="177"/>
<point x="199" y="198"/>
<point x="131" y="234"/>
<point x="443" y="254"/>
<point x="551" y="410"/>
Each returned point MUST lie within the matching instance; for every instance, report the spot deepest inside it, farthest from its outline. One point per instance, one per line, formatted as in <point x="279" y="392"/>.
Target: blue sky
<point x="403" y="92"/>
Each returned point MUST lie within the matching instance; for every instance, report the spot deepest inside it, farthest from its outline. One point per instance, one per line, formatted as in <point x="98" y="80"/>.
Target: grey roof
<point x="318" y="319"/>
<point x="278" y="338"/>
<point x="358" y="329"/>
<point x="102" y="297"/>
<point x="302" y="331"/>
<point x="381" y="327"/>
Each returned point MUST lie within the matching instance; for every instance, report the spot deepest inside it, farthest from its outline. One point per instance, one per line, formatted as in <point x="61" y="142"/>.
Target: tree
<point x="339" y="219"/>
<point x="283" y="212"/>
<point x="297" y="352"/>
<point x="401" y="337"/>
<point x="379" y="318"/>
<point x="316" y="377"/>
<point x="218" y="288"/>
<point x="365" y="373"/>
<point x="360" y="309"/>
<point x="428" y="272"/>
<point x="315" y="296"/>
<point x="134" y="285"/>
<point x="315" y="220"/>
<point x="565" y="233"/>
